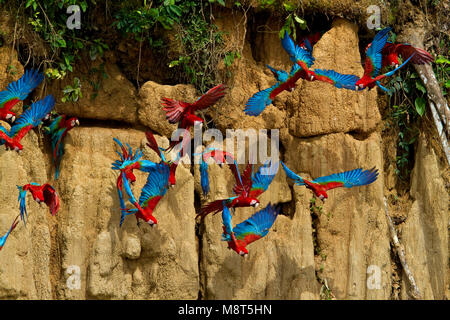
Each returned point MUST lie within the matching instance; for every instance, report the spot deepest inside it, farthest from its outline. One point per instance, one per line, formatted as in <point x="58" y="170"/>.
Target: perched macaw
<point x="127" y="163"/>
<point x="154" y="189"/>
<point x="348" y="179"/>
<point x="3" y="239"/>
<point x="151" y="142"/>
<point x="247" y="188"/>
<point x="58" y="129"/>
<point x="302" y="58"/>
<point x="372" y="67"/>
<point x="18" y="91"/>
<point x="183" y="113"/>
<point x="220" y="157"/>
<point x="252" y="229"/>
<point x="41" y="193"/>
<point x="30" y="118"/>
<point x="391" y="51"/>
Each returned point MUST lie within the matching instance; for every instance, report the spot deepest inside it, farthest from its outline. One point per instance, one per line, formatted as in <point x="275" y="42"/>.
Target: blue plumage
<point x="374" y="51"/>
<point x="264" y="176"/>
<point x="298" y="180"/>
<point x="346" y="81"/>
<point x="258" y="224"/>
<point x="226" y="220"/>
<point x="33" y="116"/>
<point x="296" y="53"/>
<point x="280" y="75"/>
<point x="258" y="102"/>
<point x="22" y="87"/>
<point x="204" y="177"/>
<point x="22" y="204"/>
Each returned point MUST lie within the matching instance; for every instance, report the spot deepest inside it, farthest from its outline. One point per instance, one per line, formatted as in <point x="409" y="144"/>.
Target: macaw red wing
<point x="51" y="198"/>
<point x="151" y="142"/>
<point x="209" y="98"/>
<point x="244" y="182"/>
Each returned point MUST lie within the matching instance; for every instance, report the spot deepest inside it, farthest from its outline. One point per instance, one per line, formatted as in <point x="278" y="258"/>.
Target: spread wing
<point x="209" y="98"/>
<point x="374" y="56"/>
<point x="263" y="178"/>
<point x="257" y="226"/>
<point x="51" y="198"/>
<point x="296" y="53"/>
<point x="244" y="182"/>
<point x="258" y="102"/>
<point x="348" y="179"/>
<point x="32" y="117"/>
<point x="405" y="50"/>
<point x="19" y="90"/>
<point x="155" y="187"/>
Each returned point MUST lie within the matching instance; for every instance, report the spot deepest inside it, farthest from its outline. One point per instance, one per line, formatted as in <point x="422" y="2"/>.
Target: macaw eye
<point x="321" y="197"/>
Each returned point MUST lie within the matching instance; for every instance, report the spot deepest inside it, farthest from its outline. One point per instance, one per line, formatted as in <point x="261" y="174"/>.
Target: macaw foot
<point x="311" y="75"/>
<point x="11" y="117"/>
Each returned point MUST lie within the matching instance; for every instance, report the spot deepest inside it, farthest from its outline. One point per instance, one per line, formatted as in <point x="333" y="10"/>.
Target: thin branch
<point x="415" y="293"/>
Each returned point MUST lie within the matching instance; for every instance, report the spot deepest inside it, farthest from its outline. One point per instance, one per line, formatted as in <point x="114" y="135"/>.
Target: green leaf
<point x="420" y="104"/>
<point x="447" y="84"/>
<point x="221" y="2"/>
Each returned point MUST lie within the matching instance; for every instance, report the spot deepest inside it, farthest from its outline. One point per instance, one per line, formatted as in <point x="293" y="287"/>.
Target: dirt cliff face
<point x="311" y="252"/>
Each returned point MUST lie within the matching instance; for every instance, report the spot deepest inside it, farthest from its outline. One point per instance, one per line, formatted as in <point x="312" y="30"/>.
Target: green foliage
<point x="72" y="93"/>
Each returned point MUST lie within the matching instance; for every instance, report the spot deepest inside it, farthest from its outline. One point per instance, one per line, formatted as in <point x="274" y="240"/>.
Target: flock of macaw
<point x="38" y="113"/>
<point x="248" y="186"/>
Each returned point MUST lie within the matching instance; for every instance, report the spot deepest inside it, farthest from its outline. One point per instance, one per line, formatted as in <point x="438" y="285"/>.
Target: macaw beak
<point x="77" y="122"/>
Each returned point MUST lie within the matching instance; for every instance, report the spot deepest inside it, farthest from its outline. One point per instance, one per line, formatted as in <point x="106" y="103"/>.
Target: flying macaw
<point x="348" y="179"/>
<point x="391" y="51"/>
<point x="58" y="129"/>
<point x="302" y="58"/>
<point x="3" y="239"/>
<point x="41" y="193"/>
<point x="247" y="189"/>
<point x="18" y="91"/>
<point x="252" y="229"/>
<point x="30" y="118"/>
<point x="151" y="142"/>
<point x="154" y="189"/>
<point x="309" y="41"/>
<point x="372" y="67"/>
<point x="220" y="157"/>
<point x="127" y="163"/>
<point x="183" y="113"/>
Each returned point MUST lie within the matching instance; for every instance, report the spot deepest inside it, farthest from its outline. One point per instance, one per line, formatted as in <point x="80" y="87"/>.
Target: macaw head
<point x="72" y="122"/>
<point x="252" y="202"/>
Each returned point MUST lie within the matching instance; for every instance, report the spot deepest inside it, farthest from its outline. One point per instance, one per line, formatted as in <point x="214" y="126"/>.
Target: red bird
<point x="41" y="193"/>
<point x="391" y="51"/>
<point x="183" y="113"/>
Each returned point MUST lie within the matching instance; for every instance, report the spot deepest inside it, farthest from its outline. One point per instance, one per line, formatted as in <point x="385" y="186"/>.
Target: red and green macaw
<point x="151" y="142"/>
<point x="3" y="239"/>
<point x="348" y="179"/>
<point x="391" y="51"/>
<point x="220" y="157"/>
<point x="18" y="91"/>
<point x="41" y="193"/>
<point x="302" y="58"/>
<point x="247" y="188"/>
<point x="29" y="119"/>
<point x="58" y="129"/>
<point x="127" y="163"/>
<point x="183" y="113"/>
<point x="154" y="189"/>
<point x="252" y="229"/>
<point x="372" y="67"/>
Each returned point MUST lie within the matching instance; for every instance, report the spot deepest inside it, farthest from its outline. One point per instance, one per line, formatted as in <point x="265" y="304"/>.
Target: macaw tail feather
<point x="57" y="171"/>
<point x="258" y="102"/>
<point x="22" y="204"/>
<point x="204" y="178"/>
<point x="126" y="212"/>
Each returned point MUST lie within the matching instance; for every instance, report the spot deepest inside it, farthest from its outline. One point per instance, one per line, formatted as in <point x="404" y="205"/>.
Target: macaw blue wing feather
<point x="156" y="185"/>
<point x="296" y="53"/>
<point x="374" y="51"/>
<point x="21" y="88"/>
<point x="22" y="204"/>
<point x="204" y="177"/>
<point x="226" y="220"/>
<point x="258" y="102"/>
<point x="258" y="224"/>
<point x="346" y="81"/>
<point x="298" y="180"/>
